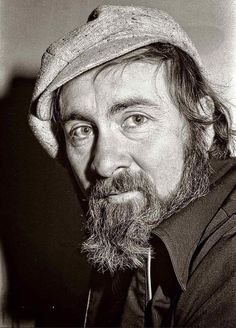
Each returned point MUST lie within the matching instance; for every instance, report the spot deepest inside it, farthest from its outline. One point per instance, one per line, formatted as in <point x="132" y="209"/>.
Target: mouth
<point x="115" y="197"/>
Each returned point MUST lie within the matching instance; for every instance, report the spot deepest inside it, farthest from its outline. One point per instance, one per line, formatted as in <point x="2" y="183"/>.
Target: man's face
<point x="120" y="119"/>
<point x="132" y="154"/>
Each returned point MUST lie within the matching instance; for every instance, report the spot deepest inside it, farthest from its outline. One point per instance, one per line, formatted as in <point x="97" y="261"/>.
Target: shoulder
<point x="210" y="297"/>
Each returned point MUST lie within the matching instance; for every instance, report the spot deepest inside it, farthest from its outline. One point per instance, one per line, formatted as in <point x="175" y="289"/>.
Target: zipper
<point x="149" y="279"/>
<point x="149" y="283"/>
<point x="87" y="307"/>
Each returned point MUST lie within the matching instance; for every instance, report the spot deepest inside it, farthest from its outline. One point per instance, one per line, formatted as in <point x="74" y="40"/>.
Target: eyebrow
<point x="73" y="116"/>
<point x="132" y="102"/>
<point x="114" y="109"/>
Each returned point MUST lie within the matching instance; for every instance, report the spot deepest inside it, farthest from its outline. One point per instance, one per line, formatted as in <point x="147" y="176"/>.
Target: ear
<point x="206" y="109"/>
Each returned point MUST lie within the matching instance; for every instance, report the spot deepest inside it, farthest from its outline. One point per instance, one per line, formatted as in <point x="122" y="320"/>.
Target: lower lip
<point x="125" y="196"/>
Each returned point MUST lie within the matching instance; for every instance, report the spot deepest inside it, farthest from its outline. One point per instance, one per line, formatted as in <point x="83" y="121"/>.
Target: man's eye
<point x="135" y="120"/>
<point x="82" y="132"/>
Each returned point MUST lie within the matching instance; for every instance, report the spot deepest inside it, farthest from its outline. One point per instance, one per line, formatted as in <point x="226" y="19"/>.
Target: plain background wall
<point x="40" y="226"/>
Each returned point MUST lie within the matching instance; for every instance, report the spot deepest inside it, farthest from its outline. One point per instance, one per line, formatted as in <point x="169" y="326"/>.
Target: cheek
<point x="79" y="164"/>
<point x="163" y="162"/>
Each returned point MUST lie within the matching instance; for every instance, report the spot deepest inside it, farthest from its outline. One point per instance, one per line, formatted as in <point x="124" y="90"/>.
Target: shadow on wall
<point x="40" y="226"/>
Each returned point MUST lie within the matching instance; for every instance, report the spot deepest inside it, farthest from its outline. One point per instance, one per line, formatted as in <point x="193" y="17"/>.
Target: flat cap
<point x="111" y="31"/>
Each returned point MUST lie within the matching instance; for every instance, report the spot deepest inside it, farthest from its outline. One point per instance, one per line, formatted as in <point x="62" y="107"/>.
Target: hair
<point x="187" y="86"/>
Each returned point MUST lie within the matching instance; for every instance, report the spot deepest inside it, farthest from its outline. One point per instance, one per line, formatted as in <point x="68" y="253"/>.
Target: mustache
<point x="124" y="181"/>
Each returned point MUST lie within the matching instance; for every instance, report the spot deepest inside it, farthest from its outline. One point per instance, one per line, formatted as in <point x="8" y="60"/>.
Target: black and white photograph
<point x="118" y="163"/>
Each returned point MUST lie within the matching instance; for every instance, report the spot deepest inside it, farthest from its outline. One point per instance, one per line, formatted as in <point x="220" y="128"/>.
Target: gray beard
<point x="119" y="233"/>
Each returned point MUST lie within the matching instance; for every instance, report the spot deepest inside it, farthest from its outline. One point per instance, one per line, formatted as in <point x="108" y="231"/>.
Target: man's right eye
<point x="81" y="133"/>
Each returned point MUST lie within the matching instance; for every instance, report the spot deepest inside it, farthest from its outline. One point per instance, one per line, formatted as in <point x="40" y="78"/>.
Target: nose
<point x="110" y="156"/>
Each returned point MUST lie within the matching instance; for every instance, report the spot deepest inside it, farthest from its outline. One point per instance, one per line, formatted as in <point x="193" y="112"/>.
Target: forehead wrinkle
<point x="63" y="95"/>
<point x="130" y="101"/>
<point x="119" y="68"/>
<point x="72" y="107"/>
<point x="123" y="65"/>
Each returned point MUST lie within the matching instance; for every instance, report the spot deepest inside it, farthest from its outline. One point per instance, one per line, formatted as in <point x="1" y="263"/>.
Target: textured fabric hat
<point x="111" y="31"/>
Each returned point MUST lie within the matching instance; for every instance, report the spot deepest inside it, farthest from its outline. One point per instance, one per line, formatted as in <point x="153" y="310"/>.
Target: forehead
<point x="113" y="83"/>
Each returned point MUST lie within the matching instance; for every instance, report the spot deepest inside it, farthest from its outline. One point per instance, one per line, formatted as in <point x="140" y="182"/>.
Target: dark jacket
<point x="193" y="271"/>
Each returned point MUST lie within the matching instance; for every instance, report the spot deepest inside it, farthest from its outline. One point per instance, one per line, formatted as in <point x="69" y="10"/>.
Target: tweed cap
<point x="111" y="31"/>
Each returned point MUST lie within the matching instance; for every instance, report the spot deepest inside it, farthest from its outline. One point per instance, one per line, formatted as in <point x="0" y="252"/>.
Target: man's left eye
<point x="135" y="120"/>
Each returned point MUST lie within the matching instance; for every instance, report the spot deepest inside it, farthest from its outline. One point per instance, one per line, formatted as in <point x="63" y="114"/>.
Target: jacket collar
<point x="182" y="232"/>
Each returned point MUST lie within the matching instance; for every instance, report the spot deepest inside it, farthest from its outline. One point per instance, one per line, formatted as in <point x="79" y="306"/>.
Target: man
<point x="124" y="102"/>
